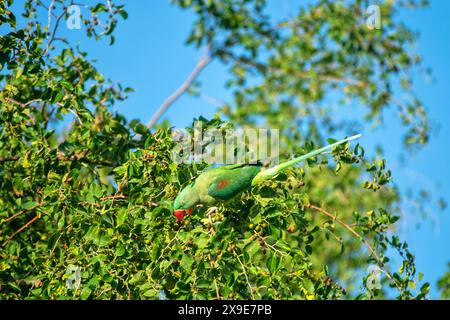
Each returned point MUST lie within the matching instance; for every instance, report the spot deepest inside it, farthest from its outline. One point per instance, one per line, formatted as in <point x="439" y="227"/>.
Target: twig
<point x="56" y="242"/>
<point x="211" y="226"/>
<point x="212" y="233"/>
<point x="62" y="157"/>
<point x="49" y="15"/>
<point x="21" y="212"/>
<point x="275" y="249"/>
<point x="11" y="100"/>
<point x="54" y="32"/>
<point x="82" y="157"/>
<point x="47" y="115"/>
<point x="63" y="40"/>
<point x="245" y="273"/>
<point x="211" y="100"/>
<point x="46" y="8"/>
<point x="346" y="226"/>
<point x="217" y="288"/>
<point x="356" y="234"/>
<point x="184" y="87"/>
<point x="76" y="115"/>
<point x="21" y="229"/>
<point x="168" y="246"/>
<point x="5" y="159"/>
<point x="26" y="104"/>
<point x="115" y="197"/>
<point x="403" y="109"/>
<point x="215" y="280"/>
<point x="301" y="74"/>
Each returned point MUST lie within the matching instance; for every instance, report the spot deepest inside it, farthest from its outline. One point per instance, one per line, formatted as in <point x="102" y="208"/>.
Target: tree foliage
<point x="444" y="284"/>
<point x="96" y="198"/>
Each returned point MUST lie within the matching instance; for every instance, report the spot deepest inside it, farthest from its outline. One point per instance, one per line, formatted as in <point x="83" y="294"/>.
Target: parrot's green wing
<point x="231" y="180"/>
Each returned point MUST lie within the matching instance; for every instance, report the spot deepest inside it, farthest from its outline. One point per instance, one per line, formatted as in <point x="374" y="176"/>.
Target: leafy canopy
<point x="97" y="196"/>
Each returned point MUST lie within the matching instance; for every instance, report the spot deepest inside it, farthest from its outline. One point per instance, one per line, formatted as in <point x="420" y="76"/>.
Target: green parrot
<point x="225" y="182"/>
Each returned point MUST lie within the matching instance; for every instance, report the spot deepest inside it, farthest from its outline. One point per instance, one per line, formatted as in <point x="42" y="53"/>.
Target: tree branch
<point x="49" y="15"/>
<point x="181" y="90"/>
<point x="53" y="34"/>
<point x="22" y="212"/>
<point x="357" y="235"/>
<point x="21" y="229"/>
<point x="245" y="273"/>
<point x="5" y="159"/>
<point x="346" y="226"/>
<point x="62" y="157"/>
<point x="46" y="8"/>
<point x="26" y="104"/>
<point x="298" y="73"/>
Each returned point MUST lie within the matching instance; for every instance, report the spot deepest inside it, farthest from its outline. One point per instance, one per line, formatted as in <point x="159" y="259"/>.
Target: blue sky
<point x="150" y="56"/>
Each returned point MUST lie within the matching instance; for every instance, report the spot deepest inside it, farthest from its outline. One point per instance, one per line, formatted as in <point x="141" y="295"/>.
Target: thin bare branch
<point x="182" y="89"/>
<point x="213" y="101"/>
<point x="114" y="197"/>
<point x="76" y="116"/>
<point x="245" y="273"/>
<point x="346" y="226"/>
<point x="357" y="235"/>
<point x="21" y="212"/>
<point x="53" y="34"/>
<point x="210" y="222"/>
<point x="298" y="73"/>
<point x="403" y="110"/>
<point x="21" y="229"/>
<point x="26" y="104"/>
<point x="49" y="14"/>
<point x="214" y="264"/>
<point x="46" y="8"/>
<point x="12" y="158"/>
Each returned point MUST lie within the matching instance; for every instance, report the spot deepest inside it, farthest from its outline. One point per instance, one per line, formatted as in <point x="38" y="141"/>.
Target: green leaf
<point x="308" y="285"/>
<point x="85" y="293"/>
<point x="19" y="73"/>
<point x="150" y="293"/>
<point x="425" y="288"/>
<point x="186" y="262"/>
<point x="201" y="241"/>
<point x="29" y="204"/>
<point x="121" y="217"/>
<point x="66" y="85"/>
<point x="99" y="7"/>
<point x="308" y="249"/>
<point x="272" y="264"/>
<point x="124" y="14"/>
<point x="137" y="277"/>
<point x="120" y="250"/>
<point x="57" y="97"/>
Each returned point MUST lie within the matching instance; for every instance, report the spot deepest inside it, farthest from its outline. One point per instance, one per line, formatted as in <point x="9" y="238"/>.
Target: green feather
<point x="272" y="172"/>
<point x="224" y="183"/>
<point x="232" y="182"/>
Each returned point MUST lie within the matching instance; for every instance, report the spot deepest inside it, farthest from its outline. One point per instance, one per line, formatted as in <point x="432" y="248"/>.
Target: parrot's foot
<point x="210" y="212"/>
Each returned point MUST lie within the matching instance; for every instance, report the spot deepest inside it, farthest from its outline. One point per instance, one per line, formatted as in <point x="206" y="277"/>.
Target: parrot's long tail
<point x="272" y="172"/>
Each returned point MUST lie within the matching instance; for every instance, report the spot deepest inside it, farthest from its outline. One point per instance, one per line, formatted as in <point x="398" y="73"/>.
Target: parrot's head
<point x="185" y="202"/>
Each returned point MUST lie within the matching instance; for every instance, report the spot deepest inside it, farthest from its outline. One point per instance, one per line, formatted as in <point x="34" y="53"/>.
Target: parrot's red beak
<point x="179" y="214"/>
